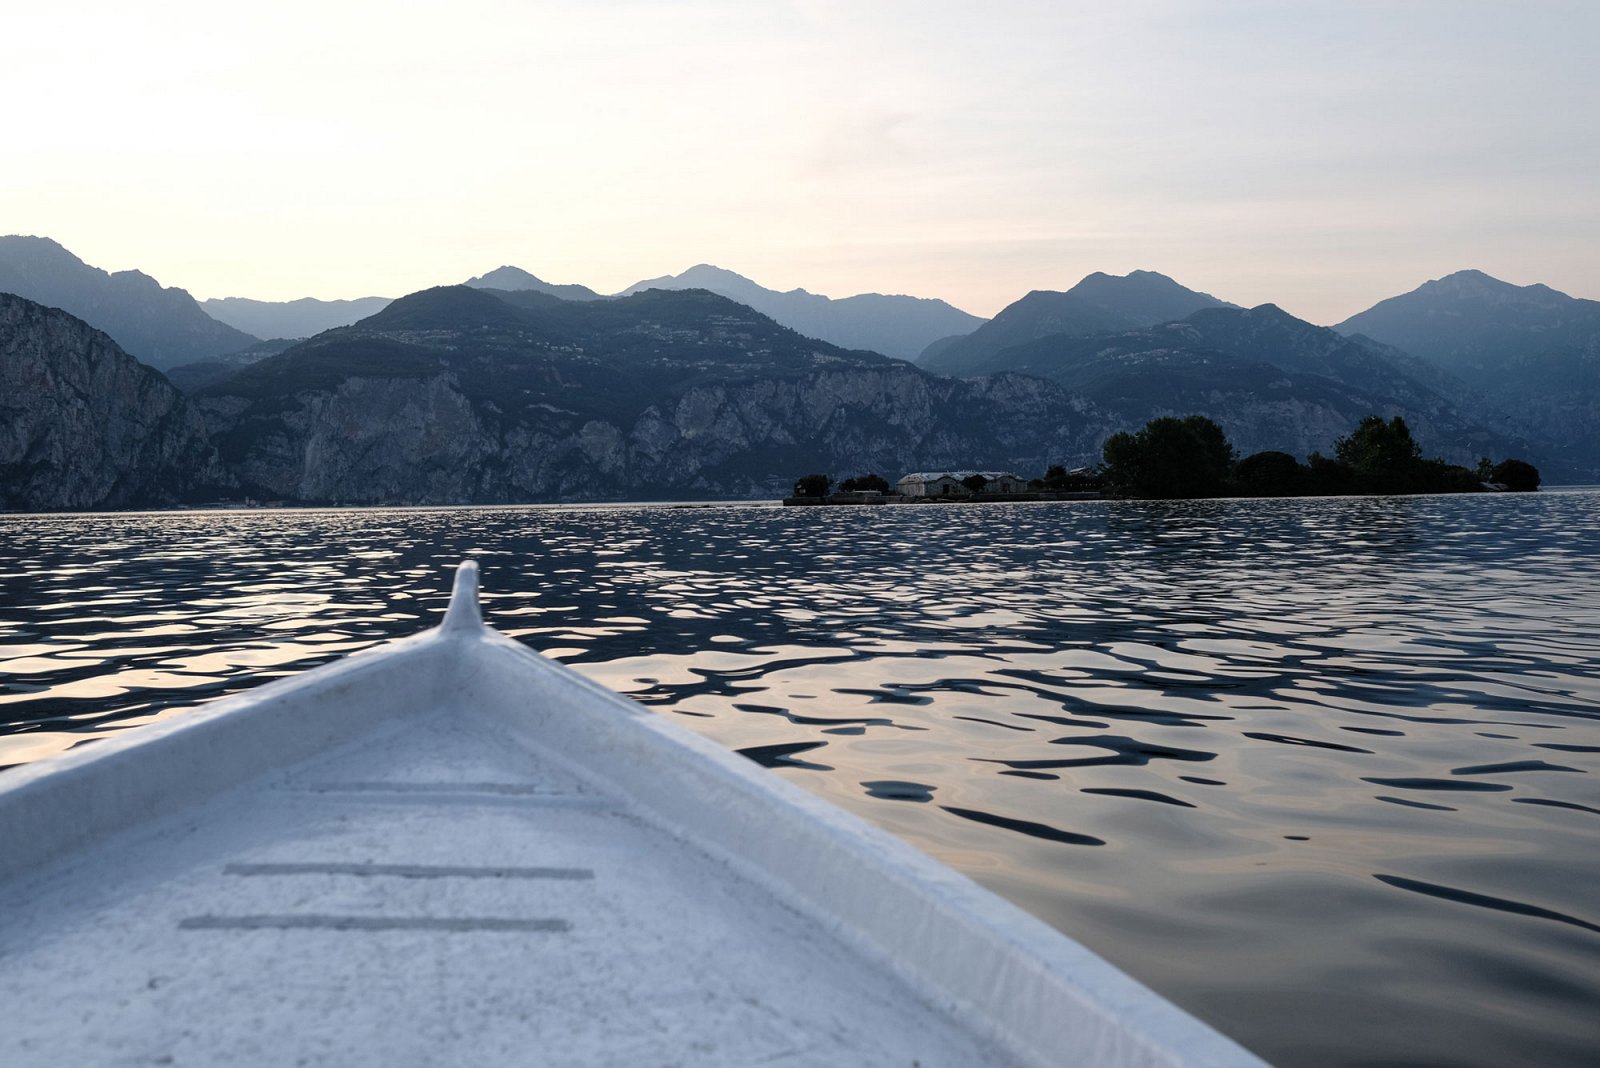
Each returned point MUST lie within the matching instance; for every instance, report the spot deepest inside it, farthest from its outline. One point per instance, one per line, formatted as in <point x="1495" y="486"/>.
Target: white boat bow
<point x="451" y="850"/>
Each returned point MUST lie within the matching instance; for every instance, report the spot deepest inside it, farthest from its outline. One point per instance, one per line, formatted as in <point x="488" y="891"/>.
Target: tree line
<point x="1175" y="457"/>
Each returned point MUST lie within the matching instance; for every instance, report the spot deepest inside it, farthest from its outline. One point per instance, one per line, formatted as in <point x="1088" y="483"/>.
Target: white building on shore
<point x="953" y="483"/>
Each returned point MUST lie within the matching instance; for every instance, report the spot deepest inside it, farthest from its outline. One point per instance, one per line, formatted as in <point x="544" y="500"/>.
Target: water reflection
<point x="1323" y="771"/>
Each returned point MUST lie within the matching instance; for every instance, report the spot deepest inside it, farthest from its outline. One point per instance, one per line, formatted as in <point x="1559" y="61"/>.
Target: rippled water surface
<point x="1325" y="772"/>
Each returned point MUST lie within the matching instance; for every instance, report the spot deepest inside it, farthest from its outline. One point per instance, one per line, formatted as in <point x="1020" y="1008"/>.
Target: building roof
<point x="934" y="476"/>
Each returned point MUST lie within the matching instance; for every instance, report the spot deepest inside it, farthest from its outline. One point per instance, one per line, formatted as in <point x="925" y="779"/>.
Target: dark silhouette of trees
<point x="812" y="485"/>
<point x="865" y="482"/>
<point x="1170" y="458"/>
<point x="975" y="483"/>
<point x="1270" y="474"/>
<point x="1327" y="477"/>
<point x="1191" y="457"/>
<point x="1515" y="475"/>
<point x="1436" y="476"/>
<point x="1383" y="456"/>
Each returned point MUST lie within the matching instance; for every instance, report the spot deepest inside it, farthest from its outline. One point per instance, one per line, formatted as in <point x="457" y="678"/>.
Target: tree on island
<point x="1191" y="457"/>
<point x="1269" y="474"/>
<point x="975" y="483"/>
<point x="1516" y="475"/>
<point x="1170" y="458"/>
<point x="865" y="482"/>
<point x="1383" y="456"/>
<point x="812" y="485"/>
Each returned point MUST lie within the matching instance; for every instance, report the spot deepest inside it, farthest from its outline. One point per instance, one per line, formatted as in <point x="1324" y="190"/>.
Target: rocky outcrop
<point x="85" y="425"/>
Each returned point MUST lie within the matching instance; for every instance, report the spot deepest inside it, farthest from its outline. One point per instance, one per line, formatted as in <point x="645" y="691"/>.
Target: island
<point x="1172" y="458"/>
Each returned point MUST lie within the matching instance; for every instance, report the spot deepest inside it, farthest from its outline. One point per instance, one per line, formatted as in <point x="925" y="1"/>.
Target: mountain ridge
<point x="893" y="324"/>
<point x="1225" y="361"/>
<point x="297" y="318"/>
<point x="1533" y="351"/>
<point x="161" y="325"/>
<point x="515" y="278"/>
<point x="1098" y="303"/>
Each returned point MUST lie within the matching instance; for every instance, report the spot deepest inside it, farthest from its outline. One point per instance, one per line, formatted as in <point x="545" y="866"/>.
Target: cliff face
<point x="85" y="425"/>
<point x="423" y="440"/>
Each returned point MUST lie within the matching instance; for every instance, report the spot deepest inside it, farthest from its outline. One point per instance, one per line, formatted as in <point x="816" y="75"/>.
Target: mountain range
<point x="481" y="393"/>
<point x="895" y="325"/>
<point x="460" y="394"/>
<point x="1268" y="377"/>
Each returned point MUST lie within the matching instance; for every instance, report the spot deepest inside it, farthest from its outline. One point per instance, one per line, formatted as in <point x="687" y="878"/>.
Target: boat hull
<point x="453" y="848"/>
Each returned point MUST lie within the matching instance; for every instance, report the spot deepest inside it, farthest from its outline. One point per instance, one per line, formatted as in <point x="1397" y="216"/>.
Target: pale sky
<point x="1318" y="155"/>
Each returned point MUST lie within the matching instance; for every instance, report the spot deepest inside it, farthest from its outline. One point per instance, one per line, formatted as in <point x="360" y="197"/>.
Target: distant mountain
<point x="896" y="325"/>
<point x="516" y="279"/>
<point x="162" y="327"/>
<point x="1099" y="303"/>
<point x="85" y="424"/>
<point x="290" y="318"/>
<point x="1273" y="381"/>
<point x="192" y="376"/>
<point x="1531" y="350"/>
<point x="458" y="394"/>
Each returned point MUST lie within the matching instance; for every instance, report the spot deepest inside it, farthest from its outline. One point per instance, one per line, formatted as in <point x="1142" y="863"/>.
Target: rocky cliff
<point x="85" y="425"/>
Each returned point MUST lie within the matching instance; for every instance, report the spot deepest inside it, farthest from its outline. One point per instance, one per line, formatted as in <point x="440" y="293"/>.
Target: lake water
<point x="1324" y="772"/>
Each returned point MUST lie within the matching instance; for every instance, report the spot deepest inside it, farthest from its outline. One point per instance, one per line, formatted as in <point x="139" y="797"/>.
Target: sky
<point x="1316" y="155"/>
